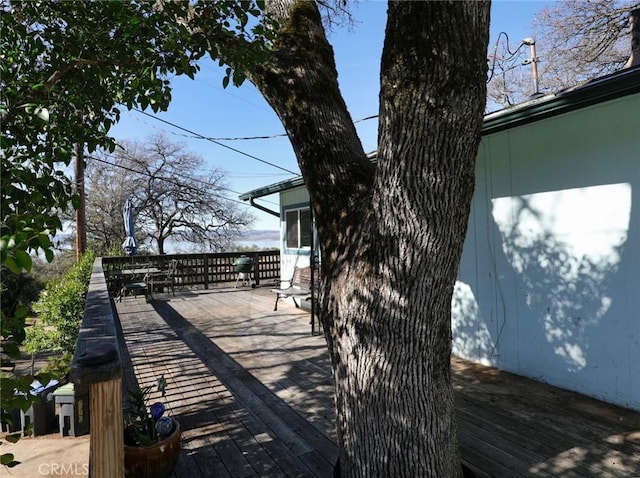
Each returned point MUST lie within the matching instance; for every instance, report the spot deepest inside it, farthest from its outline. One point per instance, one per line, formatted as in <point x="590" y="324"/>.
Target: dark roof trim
<point x="610" y="87"/>
<point x="273" y="188"/>
<point x="617" y="85"/>
<point x="284" y="185"/>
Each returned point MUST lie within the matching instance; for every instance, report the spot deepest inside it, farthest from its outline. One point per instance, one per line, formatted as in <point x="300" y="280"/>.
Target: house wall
<point x="548" y="285"/>
<point x="549" y="281"/>
<point x="291" y="258"/>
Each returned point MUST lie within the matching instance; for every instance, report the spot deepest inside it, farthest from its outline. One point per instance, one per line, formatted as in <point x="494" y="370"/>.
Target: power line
<point x="273" y="136"/>
<point x="217" y="142"/>
<point x="168" y="180"/>
<point x="212" y="138"/>
<point x="234" y="138"/>
<point x="504" y="60"/>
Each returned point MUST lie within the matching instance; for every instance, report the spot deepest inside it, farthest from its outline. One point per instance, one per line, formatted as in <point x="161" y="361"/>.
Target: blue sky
<point x="204" y="107"/>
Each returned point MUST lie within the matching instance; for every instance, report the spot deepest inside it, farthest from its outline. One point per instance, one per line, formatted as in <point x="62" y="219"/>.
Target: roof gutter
<point x="596" y="91"/>
<point x="262" y="208"/>
<point x="272" y="189"/>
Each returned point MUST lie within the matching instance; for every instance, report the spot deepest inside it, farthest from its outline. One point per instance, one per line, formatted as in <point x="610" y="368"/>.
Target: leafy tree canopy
<point x="67" y="69"/>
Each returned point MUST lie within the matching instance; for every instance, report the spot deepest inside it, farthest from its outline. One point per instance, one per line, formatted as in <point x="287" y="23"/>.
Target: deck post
<point x="106" y="443"/>
<point x="205" y="268"/>
<point x="96" y="366"/>
<point x="256" y="269"/>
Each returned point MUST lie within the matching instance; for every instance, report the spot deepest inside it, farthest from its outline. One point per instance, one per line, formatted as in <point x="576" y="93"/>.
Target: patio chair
<point x="136" y="288"/>
<point x="166" y="278"/>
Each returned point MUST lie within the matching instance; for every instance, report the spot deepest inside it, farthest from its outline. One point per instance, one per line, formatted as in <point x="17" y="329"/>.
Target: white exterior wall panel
<point x="549" y="282"/>
<point x="291" y="258"/>
<point x="548" y="285"/>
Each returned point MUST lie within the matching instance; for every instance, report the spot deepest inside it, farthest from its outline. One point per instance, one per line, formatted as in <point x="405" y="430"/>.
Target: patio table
<point x="136" y="279"/>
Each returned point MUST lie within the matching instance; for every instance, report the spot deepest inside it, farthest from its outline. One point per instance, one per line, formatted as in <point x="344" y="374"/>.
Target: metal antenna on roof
<point x="531" y="42"/>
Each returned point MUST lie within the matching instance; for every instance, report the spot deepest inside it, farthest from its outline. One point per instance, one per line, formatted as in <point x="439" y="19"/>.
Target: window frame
<point x="303" y="238"/>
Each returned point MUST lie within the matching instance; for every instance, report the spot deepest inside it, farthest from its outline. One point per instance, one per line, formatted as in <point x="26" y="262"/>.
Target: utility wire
<point x="217" y="142"/>
<point x="168" y="180"/>
<point x="495" y="56"/>
<point x="238" y="138"/>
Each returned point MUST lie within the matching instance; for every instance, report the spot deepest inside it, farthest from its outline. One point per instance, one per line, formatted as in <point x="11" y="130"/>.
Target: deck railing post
<point x="256" y="269"/>
<point x="205" y="266"/>
<point x="96" y="365"/>
<point x="107" y="434"/>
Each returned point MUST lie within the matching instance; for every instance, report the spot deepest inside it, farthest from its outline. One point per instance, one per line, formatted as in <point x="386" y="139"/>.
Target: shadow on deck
<point x="253" y="392"/>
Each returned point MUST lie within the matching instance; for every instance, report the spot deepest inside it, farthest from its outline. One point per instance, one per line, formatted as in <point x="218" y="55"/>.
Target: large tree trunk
<point x="390" y="236"/>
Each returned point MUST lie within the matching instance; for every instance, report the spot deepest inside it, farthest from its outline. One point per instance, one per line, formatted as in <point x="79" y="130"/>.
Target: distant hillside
<point x="259" y="235"/>
<point x="258" y="239"/>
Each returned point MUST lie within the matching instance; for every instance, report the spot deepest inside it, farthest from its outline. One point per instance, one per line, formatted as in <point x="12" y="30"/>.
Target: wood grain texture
<point x="253" y="392"/>
<point x="106" y="442"/>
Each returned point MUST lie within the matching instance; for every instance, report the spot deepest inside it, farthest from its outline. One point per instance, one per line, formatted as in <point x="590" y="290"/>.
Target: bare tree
<point x="174" y="196"/>
<point x="108" y="186"/>
<point x="390" y="234"/>
<point x="575" y="41"/>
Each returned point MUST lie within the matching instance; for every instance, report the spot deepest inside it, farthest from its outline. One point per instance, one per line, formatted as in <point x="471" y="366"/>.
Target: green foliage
<point x="13" y="332"/>
<point x="21" y="400"/>
<point x="115" y="251"/>
<point x="8" y="459"/>
<point x="66" y="70"/>
<point x="60" y="310"/>
<point x="18" y="290"/>
<point x="16" y="400"/>
<point x="48" y="271"/>
<point x="12" y="324"/>
<point x="140" y="427"/>
<point x="58" y="365"/>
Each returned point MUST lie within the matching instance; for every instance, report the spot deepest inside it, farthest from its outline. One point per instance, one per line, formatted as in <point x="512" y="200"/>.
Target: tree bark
<point x="390" y="236"/>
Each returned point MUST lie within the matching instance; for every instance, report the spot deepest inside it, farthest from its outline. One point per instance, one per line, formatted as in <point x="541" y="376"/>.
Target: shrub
<point x="60" y="309"/>
<point x="16" y="291"/>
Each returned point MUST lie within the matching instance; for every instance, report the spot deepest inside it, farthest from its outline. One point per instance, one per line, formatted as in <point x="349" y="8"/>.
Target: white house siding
<point x="291" y="258"/>
<point x="549" y="286"/>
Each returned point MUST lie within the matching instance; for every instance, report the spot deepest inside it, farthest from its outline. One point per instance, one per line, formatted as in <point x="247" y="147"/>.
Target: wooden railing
<point x="96" y="372"/>
<point x="200" y="269"/>
<point x="96" y="369"/>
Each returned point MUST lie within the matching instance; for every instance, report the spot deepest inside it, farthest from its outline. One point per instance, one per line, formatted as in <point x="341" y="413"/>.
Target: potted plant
<point x="151" y="439"/>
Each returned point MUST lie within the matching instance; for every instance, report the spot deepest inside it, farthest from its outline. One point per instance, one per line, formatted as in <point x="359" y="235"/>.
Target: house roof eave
<point x="285" y="185"/>
<point x="273" y="188"/>
<point x="599" y="90"/>
<point x="609" y="87"/>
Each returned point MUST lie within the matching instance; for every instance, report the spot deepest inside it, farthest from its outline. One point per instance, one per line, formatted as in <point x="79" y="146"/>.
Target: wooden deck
<point x="252" y="390"/>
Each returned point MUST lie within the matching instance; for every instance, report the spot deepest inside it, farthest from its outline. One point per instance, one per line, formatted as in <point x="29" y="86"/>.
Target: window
<point x="298" y="227"/>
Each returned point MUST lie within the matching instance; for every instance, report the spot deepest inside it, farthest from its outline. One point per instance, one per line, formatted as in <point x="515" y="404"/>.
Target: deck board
<point x="541" y="430"/>
<point x="231" y="421"/>
<point x="253" y="392"/>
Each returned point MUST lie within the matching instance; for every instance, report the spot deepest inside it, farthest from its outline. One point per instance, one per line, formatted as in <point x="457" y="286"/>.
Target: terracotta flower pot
<point x="153" y="461"/>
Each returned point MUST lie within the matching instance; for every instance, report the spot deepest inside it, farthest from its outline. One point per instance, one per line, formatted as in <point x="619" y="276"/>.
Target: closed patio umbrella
<point x="129" y="245"/>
